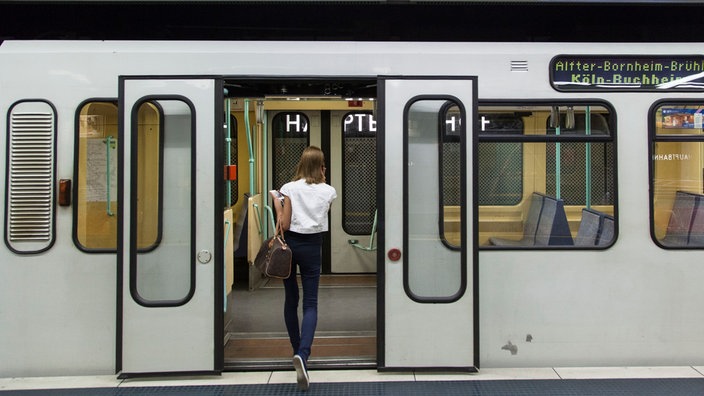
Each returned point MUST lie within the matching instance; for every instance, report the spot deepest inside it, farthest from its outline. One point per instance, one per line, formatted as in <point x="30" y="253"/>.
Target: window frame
<point x="76" y="167"/>
<point x="654" y="138"/>
<point x="275" y="138"/>
<point x="463" y="254"/>
<point x="345" y="227"/>
<point x="611" y="138"/>
<point x="134" y="189"/>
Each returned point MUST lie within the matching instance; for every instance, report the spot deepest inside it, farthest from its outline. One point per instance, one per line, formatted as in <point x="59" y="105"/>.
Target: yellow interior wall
<point x="148" y="176"/>
<point x="95" y="228"/>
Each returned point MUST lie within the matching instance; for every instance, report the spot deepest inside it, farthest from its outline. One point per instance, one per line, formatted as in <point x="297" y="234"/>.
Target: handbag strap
<point x="279" y="231"/>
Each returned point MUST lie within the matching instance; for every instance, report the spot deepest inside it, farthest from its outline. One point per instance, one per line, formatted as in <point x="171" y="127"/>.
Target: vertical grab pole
<point x="259" y="112"/>
<point x="588" y="160"/>
<point x="108" y="146"/>
<point x="249" y="146"/>
<point x="557" y="163"/>
<point x="224" y="280"/>
<point x="228" y="146"/>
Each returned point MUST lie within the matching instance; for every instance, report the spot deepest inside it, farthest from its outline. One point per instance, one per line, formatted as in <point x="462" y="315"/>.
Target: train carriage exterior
<point x="516" y="204"/>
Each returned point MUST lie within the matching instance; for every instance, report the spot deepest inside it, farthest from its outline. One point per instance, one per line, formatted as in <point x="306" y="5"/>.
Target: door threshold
<point x="313" y="364"/>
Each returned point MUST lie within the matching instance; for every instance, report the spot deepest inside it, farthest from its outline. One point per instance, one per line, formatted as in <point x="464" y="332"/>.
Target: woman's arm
<point x="285" y="215"/>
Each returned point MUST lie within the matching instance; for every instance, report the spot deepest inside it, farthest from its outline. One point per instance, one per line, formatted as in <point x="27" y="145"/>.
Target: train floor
<point x="621" y="381"/>
<point x="256" y="338"/>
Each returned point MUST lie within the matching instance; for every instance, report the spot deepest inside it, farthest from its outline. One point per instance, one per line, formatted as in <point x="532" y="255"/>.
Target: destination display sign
<point x="627" y="73"/>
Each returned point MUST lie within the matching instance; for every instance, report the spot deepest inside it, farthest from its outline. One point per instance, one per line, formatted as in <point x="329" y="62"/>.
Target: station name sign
<point x="627" y="73"/>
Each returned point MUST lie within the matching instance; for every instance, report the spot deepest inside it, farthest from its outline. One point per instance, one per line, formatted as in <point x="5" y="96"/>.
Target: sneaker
<point x="301" y="373"/>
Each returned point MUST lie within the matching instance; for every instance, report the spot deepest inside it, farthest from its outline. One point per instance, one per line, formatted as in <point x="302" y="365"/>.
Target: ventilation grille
<point x="30" y="178"/>
<point x="519" y="66"/>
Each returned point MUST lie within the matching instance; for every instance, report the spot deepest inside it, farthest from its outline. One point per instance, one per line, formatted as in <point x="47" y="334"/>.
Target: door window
<point x="162" y="181"/>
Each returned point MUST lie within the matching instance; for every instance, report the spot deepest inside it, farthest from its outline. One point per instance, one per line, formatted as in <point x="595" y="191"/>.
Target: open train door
<point x="170" y="255"/>
<point x="428" y="280"/>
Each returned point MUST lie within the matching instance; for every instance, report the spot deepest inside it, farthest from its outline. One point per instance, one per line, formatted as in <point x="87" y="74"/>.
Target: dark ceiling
<point x="388" y="20"/>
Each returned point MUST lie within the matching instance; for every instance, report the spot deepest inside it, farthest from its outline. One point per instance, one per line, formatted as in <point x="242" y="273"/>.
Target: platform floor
<point x="640" y="381"/>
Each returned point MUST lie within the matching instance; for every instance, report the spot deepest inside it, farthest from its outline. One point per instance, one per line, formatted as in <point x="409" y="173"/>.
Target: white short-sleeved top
<point x="310" y="204"/>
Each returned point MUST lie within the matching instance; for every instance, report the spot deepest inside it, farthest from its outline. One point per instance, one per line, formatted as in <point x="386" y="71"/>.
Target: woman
<point x="304" y="219"/>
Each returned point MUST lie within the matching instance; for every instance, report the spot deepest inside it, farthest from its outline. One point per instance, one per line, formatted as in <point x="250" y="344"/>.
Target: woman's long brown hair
<point x="310" y="166"/>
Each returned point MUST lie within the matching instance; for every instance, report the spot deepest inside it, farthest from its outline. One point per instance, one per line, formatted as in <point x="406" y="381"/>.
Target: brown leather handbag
<point x="274" y="257"/>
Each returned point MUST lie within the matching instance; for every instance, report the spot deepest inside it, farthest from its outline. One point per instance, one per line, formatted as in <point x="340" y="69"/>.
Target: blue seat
<point x="545" y="225"/>
<point x="607" y="231"/>
<point x="553" y="229"/>
<point x="678" y="227"/>
<point x="530" y="225"/>
<point x="696" y="230"/>
<point x="589" y="228"/>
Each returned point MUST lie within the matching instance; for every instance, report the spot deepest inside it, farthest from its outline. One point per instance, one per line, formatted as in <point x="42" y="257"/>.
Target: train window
<point x="95" y="200"/>
<point x="677" y="161"/>
<point x="31" y="168"/>
<point x="359" y="173"/>
<point x="290" y="131"/>
<point x="450" y="175"/>
<point x="501" y="182"/>
<point x="163" y="260"/>
<point x="546" y="175"/>
<point x="430" y="222"/>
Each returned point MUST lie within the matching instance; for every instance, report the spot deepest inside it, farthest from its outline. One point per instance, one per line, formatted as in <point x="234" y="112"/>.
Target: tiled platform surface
<point x="660" y="381"/>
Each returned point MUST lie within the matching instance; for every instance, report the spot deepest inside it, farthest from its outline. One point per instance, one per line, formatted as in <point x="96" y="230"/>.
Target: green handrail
<point x="557" y="162"/>
<point x="371" y="247"/>
<point x="588" y="154"/>
<point x="224" y="263"/>
<point x="248" y="128"/>
<point x="259" y="217"/>
<point x="261" y="126"/>
<point x="228" y="148"/>
<point x="108" y="145"/>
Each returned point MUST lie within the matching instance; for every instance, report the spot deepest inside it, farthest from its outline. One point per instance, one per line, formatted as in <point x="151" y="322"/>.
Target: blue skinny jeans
<point x="307" y="258"/>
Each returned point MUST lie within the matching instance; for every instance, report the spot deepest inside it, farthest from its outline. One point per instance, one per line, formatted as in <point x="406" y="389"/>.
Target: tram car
<point x="499" y="204"/>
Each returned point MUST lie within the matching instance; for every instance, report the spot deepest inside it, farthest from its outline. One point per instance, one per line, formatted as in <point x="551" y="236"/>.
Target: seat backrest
<point x="696" y="230"/>
<point x="607" y="231"/>
<point x="530" y="226"/>
<point x="240" y="230"/>
<point x="680" y="220"/>
<point x="589" y="227"/>
<point x="547" y="216"/>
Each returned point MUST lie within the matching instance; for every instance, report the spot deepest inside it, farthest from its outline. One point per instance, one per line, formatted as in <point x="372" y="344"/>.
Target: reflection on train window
<point x="31" y="153"/>
<point x="450" y="176"/>
<point x="96" y="177"/>
<point x="359" y="173"/>
<point x="546" y="176"/>
<point x="290" y="136"/>
<point x="163" y="259"/>
<point x="677" y="160"/>
<point x="432" y="221"/>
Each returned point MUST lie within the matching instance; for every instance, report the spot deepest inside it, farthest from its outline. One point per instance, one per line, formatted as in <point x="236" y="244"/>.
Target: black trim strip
<point x="134" y="193"/>
<point x="381" y="224"/>
<point x="406" y="243"/>
<point x="218" y="229"/>
<point x="653" y="138"/>
<point x="76" y="176"/>
<point x="53" y="177"/>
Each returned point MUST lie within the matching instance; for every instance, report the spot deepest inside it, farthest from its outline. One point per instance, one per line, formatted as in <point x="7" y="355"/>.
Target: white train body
<point x="633" y="303"/>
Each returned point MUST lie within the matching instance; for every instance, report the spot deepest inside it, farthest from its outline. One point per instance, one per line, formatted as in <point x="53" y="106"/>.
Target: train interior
<point x="270" y="124"/>
<point x="545" y="178"/>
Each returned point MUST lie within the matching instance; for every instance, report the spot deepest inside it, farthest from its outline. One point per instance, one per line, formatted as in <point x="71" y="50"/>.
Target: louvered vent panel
<point x="519" y="66"/>
<point x="31" y="178"/>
